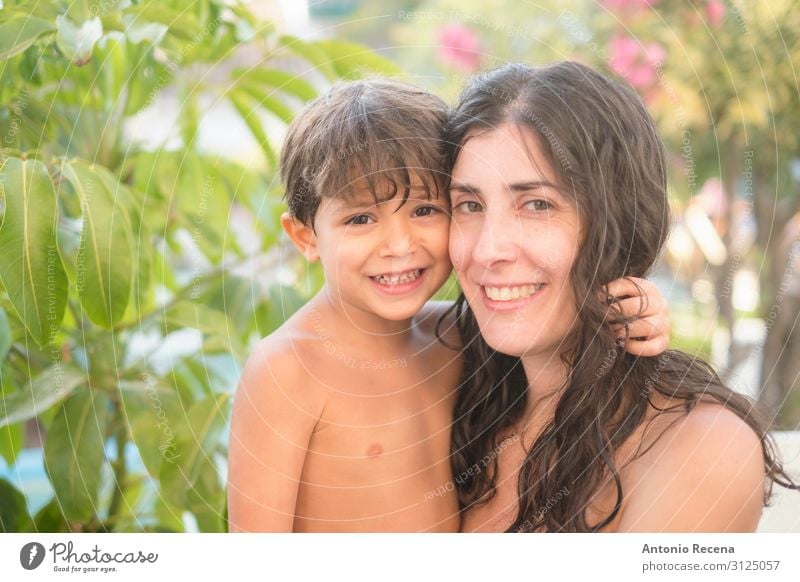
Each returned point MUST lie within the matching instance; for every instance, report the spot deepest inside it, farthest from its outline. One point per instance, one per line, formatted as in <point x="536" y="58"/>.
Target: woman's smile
<point x="513" y="240"/>
<point x="510" y="297"/>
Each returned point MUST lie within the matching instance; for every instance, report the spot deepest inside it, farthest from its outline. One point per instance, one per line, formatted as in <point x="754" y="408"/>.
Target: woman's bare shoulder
<point x="700" y="470"/>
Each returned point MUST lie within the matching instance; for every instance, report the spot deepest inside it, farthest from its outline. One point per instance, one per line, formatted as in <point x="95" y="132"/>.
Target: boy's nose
<point x="398" y="242"/>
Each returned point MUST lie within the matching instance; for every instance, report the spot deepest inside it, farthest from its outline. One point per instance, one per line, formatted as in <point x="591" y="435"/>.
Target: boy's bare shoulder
<point x="439" y="313"/>
<point x="279" y="368"/>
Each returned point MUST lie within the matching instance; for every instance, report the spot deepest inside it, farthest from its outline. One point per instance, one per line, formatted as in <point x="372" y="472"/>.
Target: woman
<point x="558" y="185"/>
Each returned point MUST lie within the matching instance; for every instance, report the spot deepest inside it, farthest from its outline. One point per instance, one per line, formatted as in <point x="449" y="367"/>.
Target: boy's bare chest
<point x="400" y="414"/>
<point x="385" y="417"/>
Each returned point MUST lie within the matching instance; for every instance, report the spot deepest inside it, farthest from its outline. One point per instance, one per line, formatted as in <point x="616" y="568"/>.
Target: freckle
<point x="374" y="450"/>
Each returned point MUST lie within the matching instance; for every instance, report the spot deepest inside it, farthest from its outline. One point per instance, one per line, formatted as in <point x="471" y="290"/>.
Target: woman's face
<point x="513" y="239"/>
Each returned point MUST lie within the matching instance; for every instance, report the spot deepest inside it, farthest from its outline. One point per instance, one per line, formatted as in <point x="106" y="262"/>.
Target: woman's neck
<point x="547" y="376"/>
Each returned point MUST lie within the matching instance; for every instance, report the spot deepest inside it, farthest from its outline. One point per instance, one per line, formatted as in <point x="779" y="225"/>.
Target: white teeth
<point x="511" y="293"/>
<point x="398" y="279"/>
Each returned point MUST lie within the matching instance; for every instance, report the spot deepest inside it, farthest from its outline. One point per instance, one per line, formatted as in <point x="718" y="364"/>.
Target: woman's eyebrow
<point x="461" y="187"/>
<point x="531" y="185"/>
<point x="517" y="187"/>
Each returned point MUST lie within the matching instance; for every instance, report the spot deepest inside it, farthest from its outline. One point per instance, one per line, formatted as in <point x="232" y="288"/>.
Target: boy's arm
<point x="649" y="334"/>
<point x="274" y="415"/>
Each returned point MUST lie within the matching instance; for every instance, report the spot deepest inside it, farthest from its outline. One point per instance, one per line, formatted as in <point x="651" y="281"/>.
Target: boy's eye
<point x="426" y="211"/>
<point x="539" y="205"/>
<point x="358" y="219"/>
<point x="468" y="207"/>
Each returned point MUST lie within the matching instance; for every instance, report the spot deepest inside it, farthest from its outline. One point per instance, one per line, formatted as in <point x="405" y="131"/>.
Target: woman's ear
<point x="302" y="236"/>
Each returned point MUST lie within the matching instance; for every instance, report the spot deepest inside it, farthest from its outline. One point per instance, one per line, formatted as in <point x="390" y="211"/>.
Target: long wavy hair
<point x="604" y="147"/>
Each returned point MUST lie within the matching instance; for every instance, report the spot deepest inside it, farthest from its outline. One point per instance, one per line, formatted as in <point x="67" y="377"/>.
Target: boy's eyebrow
<point x="364" y="199"/>
<point x="343" y="203"/>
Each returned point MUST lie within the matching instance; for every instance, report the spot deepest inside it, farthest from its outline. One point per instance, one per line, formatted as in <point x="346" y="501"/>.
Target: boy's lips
<point x="399" y="282"/>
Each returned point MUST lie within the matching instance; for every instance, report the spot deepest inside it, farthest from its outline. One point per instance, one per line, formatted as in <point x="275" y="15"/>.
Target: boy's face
<point x="387" y="259"/>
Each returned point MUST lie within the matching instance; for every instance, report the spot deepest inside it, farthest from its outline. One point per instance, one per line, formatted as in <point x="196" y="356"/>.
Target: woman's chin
<point x="523" y="346"/>
<point x="505" y="345"/>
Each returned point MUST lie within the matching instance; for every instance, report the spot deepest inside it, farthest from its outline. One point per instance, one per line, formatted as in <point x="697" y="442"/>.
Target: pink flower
<point x="459" y="47"/>
<point x="716" y="11"/>
<point x="712" y="198"/>
<point x="638" y="64"/>
<point x="629" y="6"/>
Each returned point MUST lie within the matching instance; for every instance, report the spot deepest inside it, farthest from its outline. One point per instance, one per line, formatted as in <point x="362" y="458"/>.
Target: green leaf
<point x="31" y="268"/>
<point x="270" y="103"/>
<point x="189" y="115"/>
<point x="105" y="257"/>
<point x="283" y="303"/>
<point x="241" y="102"/>
<point x="11" y="440"/>
<point x="311" y="53"/>
<point x="11" y="435"/>
<point x="281" y="80"/>
<point x="74" y="453"/>
<point x="43" y="392"/>
<point x="77" y="42"/>
<point x="18" y="34"/>
<point x="169" y="518"/>
<point x="352" y="60"/>
<point x="153" y="411"/>
<point x="198" y="438"/>
<point x="236" y="297"/>
<point x="13" y="509"/>
<point x="49" y="518"/>
<point x="213" y="323"/>
<point x="143" y="251"/>
<point x="5" y="335"/>
<point x="206" y="499"/>
<point x="182" y="24"/>
<point x="146" y="80"/>
<point x="197" y="316"/>
<point x="205" y="205"/>
<point x="44" y="9"/>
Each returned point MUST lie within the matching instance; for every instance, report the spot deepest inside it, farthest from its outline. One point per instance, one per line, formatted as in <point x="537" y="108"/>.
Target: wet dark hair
<point x="604" y="148"/>
<point x="379" y="133"/>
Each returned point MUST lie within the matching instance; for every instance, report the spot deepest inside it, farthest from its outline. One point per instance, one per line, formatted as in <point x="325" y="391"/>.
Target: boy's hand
<point x="648" y="335"/>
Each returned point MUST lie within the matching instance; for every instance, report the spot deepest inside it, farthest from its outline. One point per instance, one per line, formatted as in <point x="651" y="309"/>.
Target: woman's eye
<point x="358" y="219"/>
<point x="539" y="205"/>
<point x="468" y="207"/>
<point x="426" y="211"/>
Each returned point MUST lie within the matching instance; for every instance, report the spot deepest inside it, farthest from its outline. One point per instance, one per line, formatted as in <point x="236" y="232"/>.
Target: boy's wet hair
<point x="378" y="133"/>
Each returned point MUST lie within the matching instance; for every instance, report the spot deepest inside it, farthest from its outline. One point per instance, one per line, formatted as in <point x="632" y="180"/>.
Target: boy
<point x="342" y="419"/>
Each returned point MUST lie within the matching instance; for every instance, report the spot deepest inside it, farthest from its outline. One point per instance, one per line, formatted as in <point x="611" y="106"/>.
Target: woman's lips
<point x="510" y="297"/>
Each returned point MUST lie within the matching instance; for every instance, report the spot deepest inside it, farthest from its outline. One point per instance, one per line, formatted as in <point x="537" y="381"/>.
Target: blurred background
<point x="140" y="249"/>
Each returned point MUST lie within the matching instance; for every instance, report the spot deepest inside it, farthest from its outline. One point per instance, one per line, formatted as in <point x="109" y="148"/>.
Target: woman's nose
<point x="497" y="241"/>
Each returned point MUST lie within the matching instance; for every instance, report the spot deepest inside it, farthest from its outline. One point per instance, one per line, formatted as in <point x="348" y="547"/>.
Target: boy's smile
<point x="399" y="283"/>
<point x="386" y="258"/>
